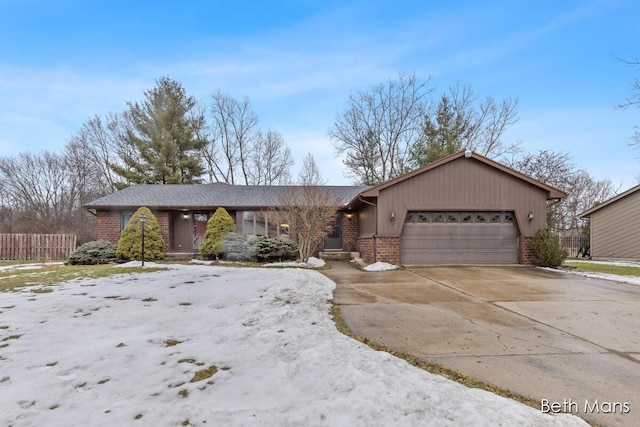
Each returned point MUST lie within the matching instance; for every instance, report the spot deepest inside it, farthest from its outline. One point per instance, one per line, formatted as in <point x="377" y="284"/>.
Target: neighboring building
<point x="464" y="208"/>
<point x="615" y="227"/>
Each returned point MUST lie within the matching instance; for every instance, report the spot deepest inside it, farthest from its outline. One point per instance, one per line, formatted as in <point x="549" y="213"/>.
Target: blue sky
<point x="62" y="62"/>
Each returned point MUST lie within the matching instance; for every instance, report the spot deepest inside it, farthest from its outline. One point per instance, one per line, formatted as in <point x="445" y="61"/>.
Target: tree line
<point x="169" y="137"/>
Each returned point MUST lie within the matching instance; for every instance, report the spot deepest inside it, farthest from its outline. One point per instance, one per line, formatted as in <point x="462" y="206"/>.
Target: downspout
<point x="375" y="256"/>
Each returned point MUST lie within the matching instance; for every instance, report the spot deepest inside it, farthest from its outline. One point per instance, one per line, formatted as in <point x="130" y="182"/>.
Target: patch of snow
<point x="632" y="280"/>
<point x="147" y="264"/>
<point x="111" y="350"/>
<point x="380" y="266"/>
<point x="312" y="262"/>
<point x="200" y="261"/>
<point x="31" y="266"/>
<point x="617" y="263"/>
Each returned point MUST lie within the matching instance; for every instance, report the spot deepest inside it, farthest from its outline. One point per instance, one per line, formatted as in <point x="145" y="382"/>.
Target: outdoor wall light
<point x="185" y="215"/>
<point x="531" y="216"/>
<point x="392" y="216"/>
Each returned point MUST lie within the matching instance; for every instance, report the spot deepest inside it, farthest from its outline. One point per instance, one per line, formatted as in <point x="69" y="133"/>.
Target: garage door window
<point x="459" y="218"/>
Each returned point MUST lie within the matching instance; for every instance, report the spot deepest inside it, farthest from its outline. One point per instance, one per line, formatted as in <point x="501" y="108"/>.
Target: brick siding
<point x="349" y="232"/>
<point x="364" y="245"/>
<point x="108" y="226"/>
<point x="388" y="249"/>
<point x="526" y="252"/>
<point x="163" y="221"/>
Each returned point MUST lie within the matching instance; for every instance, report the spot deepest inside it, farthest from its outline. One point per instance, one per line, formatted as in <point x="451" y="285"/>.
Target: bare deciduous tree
<point x="633" y="101"/>
<point x="379" y="128"/>
<point x="238" y="152"/>
<point x="559" y="171"/>
<point x="270" y="160"/>
<point x="43" y="191"/>
<point x="307" y="208"/>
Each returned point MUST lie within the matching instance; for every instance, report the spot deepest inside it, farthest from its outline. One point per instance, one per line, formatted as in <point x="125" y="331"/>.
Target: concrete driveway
<point x="543" y="334"/>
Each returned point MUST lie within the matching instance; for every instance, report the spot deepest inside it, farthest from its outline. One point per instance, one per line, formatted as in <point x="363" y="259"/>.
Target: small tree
<point x="546" y="249"/>
<point x="218" y="226"/>
<point x="130" y="242"/>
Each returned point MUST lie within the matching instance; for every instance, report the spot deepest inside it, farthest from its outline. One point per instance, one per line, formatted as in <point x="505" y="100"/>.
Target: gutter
<point x="375" y="255"/>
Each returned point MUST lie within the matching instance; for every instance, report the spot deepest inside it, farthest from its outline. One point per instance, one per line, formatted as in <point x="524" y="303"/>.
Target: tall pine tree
<point x="163" y="136"/>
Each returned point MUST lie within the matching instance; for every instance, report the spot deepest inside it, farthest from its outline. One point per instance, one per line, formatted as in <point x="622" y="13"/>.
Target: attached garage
<point x="464" y="209"/>
<point x="459" y="237"/>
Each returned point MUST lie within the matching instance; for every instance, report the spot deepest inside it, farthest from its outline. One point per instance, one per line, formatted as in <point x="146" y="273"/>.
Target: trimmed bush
<point x="218" y="226"/>
<point x="92" y="253"/>
<point x="130" y="243"/>
<point x="546" y="249"/>
<point x="267" y="247"/>
<point x="236" y="248"/>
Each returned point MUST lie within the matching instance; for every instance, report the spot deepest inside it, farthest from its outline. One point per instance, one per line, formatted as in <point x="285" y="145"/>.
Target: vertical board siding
<point x="462" y="184"/>
<point x="615" y="230"/>
<point x="36" y="247"/>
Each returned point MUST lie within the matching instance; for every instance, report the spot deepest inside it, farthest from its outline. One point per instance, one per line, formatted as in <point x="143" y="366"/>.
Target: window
<point x="254" y="224"/>
<point x="495" y="218"/>
<point x="423" y="217"/>
<point x="466" y="218"/>
<point x="410" y="217"/>
<point x="480" y="218"/>
<point x="508" y="217"/>
<point x="438" y="217"/>
<point x="452" y="217"/>
<point x="125" y="216"/>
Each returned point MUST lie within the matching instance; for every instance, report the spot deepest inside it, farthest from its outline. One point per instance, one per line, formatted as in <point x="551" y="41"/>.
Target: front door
<point x="333" y="241"/>
<point x="182" y="232"/>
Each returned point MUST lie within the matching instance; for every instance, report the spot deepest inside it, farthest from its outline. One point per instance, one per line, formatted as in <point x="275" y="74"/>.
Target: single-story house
<point x="464" y="208"/>
<point x="615" y="227"/>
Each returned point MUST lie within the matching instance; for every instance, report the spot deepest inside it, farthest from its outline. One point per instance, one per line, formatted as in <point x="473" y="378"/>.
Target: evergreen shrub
<point x="236" y="248"/>
<point x="130" y="242"/>
<point x="546" y="249"/>
<point x="92" y="253"/>
<point x="218" y="226"/>
<point x="267" y="247"/>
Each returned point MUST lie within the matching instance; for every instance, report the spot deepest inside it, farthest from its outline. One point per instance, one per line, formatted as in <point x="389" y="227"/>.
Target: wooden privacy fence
<point x="36" y="247"/>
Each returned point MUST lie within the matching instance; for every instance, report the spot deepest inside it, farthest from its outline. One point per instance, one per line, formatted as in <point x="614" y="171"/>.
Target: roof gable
<point x="611" y="201"/>
<point x="552" y="193"/>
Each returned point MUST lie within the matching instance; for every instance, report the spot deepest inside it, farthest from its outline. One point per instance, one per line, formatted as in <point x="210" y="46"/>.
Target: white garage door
<point x="459" y="237"/>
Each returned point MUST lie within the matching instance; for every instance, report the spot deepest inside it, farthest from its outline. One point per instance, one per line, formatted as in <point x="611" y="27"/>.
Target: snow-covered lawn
<point x="203" y="345"/>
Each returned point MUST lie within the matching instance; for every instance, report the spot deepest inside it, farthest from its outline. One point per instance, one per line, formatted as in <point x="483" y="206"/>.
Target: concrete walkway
<point x="552" y="336"/>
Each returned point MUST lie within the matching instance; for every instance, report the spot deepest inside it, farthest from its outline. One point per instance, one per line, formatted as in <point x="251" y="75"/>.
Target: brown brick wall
<point x="388" y="249"/>
<point x="108" y="226"/>
<point x="364" y="245"/>
<point x="349" y="232"/>
<point x="526" y="252"/>
<point x="163" y="221"/>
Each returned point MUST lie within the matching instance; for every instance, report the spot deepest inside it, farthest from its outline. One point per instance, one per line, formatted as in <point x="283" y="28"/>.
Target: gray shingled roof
<point x="205" y="196"/>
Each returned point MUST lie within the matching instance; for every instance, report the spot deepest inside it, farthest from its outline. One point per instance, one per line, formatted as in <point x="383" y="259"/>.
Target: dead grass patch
<point x="171" y="343"/>
<point x="184" y="392"/>
<point x="11" y="280"/>
<point x="204" y="374"/>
